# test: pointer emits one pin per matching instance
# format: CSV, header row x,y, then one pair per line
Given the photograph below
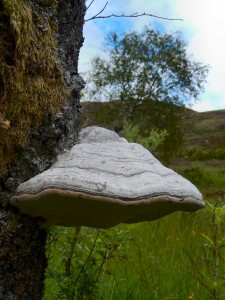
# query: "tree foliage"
x,y
147,65
152,141
149,75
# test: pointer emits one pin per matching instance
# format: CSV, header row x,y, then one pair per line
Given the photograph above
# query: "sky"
x,y
202,28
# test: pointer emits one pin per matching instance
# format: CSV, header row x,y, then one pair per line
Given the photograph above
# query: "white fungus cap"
x,y
104,181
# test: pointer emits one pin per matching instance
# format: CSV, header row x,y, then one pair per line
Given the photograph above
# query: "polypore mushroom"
x,y
104,181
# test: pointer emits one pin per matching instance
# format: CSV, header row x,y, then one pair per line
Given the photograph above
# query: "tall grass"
x,y
181,256
158,264
210,183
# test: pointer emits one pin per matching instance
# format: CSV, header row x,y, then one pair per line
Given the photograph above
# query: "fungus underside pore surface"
x,y
76,208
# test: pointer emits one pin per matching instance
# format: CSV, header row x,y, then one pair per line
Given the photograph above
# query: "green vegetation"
x,y
178,257
209,182
143,66
152,142
211,273
31,83
199,154
166,119
148,76
181,256
78,260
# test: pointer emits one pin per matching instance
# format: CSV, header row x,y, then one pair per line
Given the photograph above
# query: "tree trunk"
x,y
44,135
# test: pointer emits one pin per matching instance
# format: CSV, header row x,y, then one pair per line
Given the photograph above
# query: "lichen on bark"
x,y
39,117
32,82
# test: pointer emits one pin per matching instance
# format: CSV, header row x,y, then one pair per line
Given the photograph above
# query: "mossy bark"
x,y
22,241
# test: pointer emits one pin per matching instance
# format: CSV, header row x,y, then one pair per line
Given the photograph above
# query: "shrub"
x,y
198,154
152,142
205,180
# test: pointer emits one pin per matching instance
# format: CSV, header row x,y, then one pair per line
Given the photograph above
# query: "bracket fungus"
x,y
104,181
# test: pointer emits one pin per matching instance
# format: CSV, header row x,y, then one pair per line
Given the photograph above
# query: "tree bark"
x,y
22,241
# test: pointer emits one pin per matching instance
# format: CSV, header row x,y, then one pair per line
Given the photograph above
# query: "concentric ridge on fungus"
x,y
101,184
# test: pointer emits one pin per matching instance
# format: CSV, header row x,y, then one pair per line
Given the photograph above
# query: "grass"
x,y
164,259
181,256
157,264
203,154
171,258
211,184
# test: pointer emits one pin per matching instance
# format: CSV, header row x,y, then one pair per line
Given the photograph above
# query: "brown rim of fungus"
x,y
101,184
117,200
75,202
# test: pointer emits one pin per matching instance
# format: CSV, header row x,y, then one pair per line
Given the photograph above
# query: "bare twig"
x,y
134,15
97,15
72,249
87,259
90,4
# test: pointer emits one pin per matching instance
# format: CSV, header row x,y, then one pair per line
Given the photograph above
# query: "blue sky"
x,y
202,28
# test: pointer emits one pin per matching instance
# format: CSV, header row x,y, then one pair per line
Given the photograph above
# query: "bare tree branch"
x,y
90,4
97,15
134,15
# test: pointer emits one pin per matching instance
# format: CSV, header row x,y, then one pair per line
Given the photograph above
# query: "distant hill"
x,y
202,158
91,114
201,129
205,129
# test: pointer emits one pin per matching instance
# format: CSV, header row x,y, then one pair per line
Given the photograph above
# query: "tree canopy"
x,y
147,65
147,75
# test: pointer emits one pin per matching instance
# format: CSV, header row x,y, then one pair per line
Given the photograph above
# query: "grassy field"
x,y
181,256
176,257
169,259
158,264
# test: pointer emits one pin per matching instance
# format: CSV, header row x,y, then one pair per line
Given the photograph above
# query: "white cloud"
x,y
203,106
94,38
209,101
203,28
207,19
207,43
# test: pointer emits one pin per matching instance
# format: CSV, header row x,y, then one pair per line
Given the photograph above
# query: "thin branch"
x,y
134,15
97,15
87,259
72,249
90,5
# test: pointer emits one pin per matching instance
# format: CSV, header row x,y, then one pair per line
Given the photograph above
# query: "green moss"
x,y
31,82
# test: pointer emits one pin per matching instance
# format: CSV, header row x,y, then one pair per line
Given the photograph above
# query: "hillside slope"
x,y
202,158
204,138
206,129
